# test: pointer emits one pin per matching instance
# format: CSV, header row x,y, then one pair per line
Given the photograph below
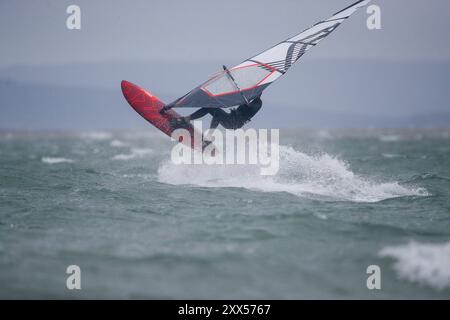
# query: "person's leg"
x,y
214,123
221,117
198,114
183,122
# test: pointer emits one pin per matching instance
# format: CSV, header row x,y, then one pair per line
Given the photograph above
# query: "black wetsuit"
x,y
233,120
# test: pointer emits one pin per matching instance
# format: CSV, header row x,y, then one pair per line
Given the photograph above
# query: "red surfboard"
x,y
149,107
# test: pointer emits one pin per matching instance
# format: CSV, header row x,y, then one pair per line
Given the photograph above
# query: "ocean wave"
x,y
389,138
390,155
428,177
51,160
139,175
117,144
96,135
314,176
135,153
423,263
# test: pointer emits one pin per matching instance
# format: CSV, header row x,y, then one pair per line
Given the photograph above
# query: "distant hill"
x,y
314,94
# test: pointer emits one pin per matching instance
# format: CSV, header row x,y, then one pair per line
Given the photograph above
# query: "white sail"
x,y
253,75
283,55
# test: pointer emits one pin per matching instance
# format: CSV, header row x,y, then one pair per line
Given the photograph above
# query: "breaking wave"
x,y
135,153
96,135
389,138
117,143
315,176
423,263
51,160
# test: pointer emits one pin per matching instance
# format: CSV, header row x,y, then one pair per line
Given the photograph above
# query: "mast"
x,y
235,84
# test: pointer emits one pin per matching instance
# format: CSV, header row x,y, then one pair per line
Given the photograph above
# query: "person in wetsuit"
x,y
235,119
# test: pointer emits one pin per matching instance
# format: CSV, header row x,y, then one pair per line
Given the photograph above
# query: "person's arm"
x,y
248,111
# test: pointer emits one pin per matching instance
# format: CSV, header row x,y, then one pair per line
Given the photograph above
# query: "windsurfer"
x,y
235,119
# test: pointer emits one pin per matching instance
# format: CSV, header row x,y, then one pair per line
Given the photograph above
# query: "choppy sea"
x,y
139,226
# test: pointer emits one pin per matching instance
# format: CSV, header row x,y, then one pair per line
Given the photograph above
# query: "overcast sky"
x,y
64,76
34,32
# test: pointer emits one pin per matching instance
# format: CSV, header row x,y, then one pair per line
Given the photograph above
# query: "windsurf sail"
x,y
235,84
247,80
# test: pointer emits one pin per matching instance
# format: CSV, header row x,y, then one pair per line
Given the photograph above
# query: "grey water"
x,y
139,226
